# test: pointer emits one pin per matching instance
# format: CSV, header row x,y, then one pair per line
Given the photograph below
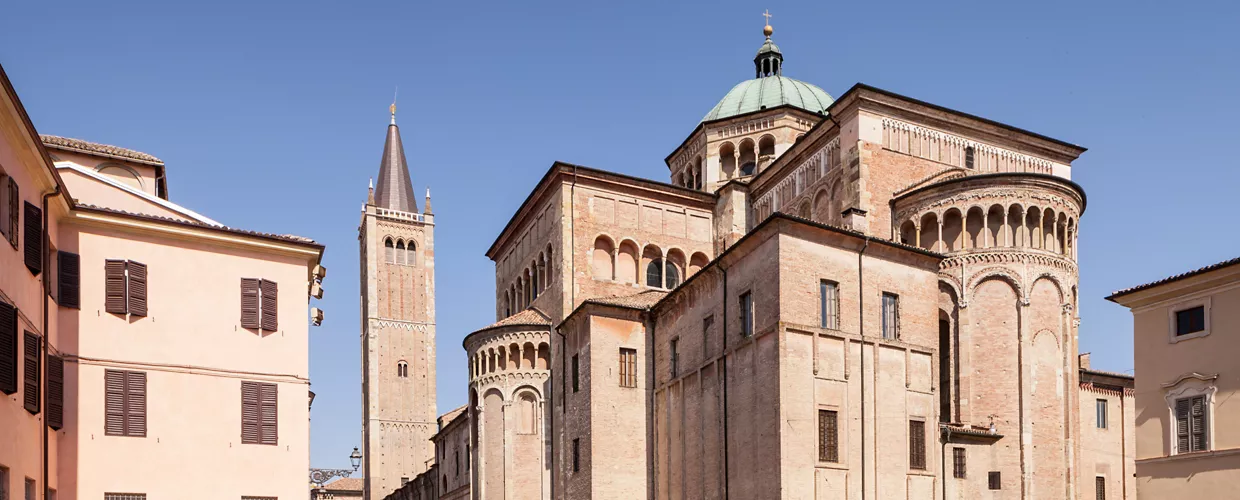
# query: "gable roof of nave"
x,y
874,97
563,170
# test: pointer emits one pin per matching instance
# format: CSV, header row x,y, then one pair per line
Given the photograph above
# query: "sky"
x,y
271,116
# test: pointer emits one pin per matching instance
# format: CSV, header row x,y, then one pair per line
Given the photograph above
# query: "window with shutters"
x,y
30,380
575,367
124,496
828,436
7,207
259,306
628,367
8,348
259,415
675,357
992,480
13,216
124,287
747,314
1100,488
1191,424
958,463
1100,408
829,304
891,316
917,444
68,279
124,403
55,392
33,249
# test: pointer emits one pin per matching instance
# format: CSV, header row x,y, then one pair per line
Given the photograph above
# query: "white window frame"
x,y
1192,386
1204,302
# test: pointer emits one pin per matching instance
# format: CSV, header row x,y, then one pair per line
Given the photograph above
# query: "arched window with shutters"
x,y
389,251
400,252
411,254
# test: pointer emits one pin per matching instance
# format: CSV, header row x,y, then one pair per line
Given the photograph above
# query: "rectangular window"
x,y
467,457
30,380
992,480
124,496
708,323
68,279
124,403
829,304
1190,425
1190,320
33,220
958,463
5,228
404,480
124,287
917,444
575,367
747,314
31,492
1100,488
259,413
576,455
456,462
4,483
891,316
259,306
628,367
675,357
11,215
1100,407
8,348
828,436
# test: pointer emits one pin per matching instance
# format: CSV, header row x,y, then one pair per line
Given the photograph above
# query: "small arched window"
x,y
400,252
673,275
402,369
411,254
654,273
389,253
968,157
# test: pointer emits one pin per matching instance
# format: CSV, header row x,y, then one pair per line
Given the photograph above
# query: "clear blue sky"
x,y
271,117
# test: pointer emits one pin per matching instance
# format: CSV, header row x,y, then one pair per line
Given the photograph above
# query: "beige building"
x,y
863,297
150,334
397,244
1187,441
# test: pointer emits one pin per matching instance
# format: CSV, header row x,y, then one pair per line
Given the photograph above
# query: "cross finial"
x,y
767,30
392,108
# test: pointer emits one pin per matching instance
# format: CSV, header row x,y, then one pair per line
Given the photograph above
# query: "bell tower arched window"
x,y
402,369
389,251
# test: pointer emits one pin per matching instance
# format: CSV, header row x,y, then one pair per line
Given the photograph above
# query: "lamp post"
x,y
322,476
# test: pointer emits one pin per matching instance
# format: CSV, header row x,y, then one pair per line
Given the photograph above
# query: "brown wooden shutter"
x,y
269,306
55,392
69,279
114,402
250,413
269,408
917,444
34,239
137,288
116,298
14,213
8,348
1182,410
135,404
31,386
249,303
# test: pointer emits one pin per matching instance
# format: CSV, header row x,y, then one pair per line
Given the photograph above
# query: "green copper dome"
x,y
768,92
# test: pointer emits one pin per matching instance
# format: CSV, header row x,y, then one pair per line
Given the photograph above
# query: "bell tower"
x,y
397,246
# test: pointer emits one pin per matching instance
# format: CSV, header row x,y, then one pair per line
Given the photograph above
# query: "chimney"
x,y
855,218
1083,360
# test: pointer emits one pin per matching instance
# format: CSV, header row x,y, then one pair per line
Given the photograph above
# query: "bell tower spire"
x,y
395,189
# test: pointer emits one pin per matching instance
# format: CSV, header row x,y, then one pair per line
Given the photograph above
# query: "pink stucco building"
x,y
154,350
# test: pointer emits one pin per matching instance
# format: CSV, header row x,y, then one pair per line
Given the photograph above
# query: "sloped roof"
x,y
1177,277
640,300
345,484
291,238
530,316
395,189
189,214
95,148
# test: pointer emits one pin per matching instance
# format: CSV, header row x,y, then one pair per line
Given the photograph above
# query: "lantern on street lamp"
x,y
322,476
355,458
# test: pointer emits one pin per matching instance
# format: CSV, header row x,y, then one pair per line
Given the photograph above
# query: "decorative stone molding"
x,y
746,127
1010,255
935,145
800,179
1003,273
1005,197
380,324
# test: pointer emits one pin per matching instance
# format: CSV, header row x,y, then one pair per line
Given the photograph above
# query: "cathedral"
x,y
868,296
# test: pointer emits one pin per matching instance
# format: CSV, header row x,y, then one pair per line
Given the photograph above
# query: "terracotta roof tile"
x,y
70,144
283,237
1177,277
345,484
528,316
640,300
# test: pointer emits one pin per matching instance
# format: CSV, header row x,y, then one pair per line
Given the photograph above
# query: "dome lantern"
x,y
769,61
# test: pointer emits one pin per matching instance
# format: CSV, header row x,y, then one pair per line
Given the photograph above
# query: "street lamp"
x,y
322,476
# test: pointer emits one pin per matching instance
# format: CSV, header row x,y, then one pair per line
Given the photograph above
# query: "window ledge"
x,y
1190,456
831,465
